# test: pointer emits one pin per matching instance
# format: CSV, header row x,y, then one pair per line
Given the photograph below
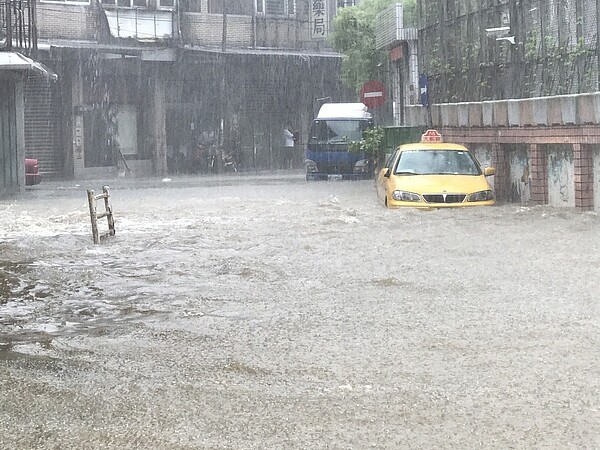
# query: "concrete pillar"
x,y
501,162
158,124
20,129
78,140
539,174
584,176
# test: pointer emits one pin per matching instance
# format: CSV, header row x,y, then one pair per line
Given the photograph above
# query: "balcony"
x,y
17,26
390,30
142,24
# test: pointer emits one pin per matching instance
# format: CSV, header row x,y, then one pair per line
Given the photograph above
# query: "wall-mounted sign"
x,y
424,89
372,94
319,27
397,53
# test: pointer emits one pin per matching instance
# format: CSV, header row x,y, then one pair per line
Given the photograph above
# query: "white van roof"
x,y
344,111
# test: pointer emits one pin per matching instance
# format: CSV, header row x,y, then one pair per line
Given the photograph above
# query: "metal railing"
x,y
18,29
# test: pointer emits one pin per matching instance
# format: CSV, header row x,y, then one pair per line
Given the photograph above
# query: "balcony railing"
x,y
389,28
17,25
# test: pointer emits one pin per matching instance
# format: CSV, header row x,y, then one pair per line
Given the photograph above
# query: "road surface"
x,y
264,312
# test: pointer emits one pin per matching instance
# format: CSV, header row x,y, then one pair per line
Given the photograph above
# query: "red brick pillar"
x,y
539,174
501,179
584,179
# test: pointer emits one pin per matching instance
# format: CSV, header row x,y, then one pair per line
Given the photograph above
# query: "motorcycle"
x,y
229,163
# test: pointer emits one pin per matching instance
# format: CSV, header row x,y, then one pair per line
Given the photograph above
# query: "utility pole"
x,y
223,96
224,39
598,38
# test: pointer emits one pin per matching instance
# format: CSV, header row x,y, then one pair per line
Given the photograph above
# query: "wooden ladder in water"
x,y
94,216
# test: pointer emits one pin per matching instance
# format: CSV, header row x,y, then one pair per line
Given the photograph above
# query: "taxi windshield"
x,y
436,162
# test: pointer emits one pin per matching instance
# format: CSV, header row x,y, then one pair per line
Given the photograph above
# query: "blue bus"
x,y
327,153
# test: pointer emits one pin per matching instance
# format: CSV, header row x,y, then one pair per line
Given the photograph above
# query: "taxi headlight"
x,y
403,196
311,166
481,196
361,166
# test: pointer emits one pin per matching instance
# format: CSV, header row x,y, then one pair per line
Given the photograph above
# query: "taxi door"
x,y
381,180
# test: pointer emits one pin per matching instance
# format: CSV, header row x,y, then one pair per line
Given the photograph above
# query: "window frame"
x,y
162,7
262,9
131,5
67,2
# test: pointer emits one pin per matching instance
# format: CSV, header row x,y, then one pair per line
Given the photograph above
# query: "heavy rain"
x,y
260,290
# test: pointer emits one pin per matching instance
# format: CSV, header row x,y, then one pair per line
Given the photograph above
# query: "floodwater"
x,y
264,312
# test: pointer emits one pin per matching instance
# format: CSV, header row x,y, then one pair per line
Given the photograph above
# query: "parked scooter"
x,y
229,163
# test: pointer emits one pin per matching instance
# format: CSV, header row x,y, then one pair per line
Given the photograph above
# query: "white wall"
x,y
561,185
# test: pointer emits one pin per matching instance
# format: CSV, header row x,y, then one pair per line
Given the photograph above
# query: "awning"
x,y
139,50
16,61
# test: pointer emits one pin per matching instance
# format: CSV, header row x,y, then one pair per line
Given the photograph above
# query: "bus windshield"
x,y
325,131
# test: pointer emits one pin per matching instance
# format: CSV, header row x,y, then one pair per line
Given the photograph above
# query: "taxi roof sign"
x,y
431,136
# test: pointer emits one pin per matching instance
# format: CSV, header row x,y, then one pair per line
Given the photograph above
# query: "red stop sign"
x,y
372,94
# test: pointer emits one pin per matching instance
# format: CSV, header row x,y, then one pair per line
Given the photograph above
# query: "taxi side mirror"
x,y
387,172
489,171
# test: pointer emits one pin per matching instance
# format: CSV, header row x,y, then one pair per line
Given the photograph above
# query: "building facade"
x,y
150,87
18,45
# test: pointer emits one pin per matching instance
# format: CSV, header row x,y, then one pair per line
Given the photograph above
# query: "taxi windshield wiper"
x,y
405,172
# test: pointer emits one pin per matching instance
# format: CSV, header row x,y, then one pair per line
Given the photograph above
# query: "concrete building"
x,y
17,43
146,86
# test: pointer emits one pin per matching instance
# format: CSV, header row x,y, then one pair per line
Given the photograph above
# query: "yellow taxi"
x,y
434,174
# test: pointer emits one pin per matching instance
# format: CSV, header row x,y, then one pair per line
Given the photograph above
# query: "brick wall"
x,y
271,32
57,21
584,176
500,159
276,32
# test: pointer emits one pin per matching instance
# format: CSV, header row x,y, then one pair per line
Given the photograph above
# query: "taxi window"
x,y
437,162
391,159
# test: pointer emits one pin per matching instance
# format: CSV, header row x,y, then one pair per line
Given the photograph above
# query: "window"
x,y
240,7
276,7
126,3
437,162
345,3
323,132
68,2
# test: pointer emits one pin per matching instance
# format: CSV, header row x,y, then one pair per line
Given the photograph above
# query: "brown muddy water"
x,y
264,312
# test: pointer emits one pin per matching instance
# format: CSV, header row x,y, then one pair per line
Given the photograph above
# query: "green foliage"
x,y
372,143
579,51
354,37
531,45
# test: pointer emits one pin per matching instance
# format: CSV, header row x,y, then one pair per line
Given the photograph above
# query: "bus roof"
x,y
344,111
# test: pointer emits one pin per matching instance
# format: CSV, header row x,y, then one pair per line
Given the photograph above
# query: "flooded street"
x,y
265,312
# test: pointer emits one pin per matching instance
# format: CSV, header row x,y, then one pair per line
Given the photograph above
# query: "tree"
x,y
354,37
372,144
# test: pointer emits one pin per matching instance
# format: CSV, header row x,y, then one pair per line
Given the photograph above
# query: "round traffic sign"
x,y
372,94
